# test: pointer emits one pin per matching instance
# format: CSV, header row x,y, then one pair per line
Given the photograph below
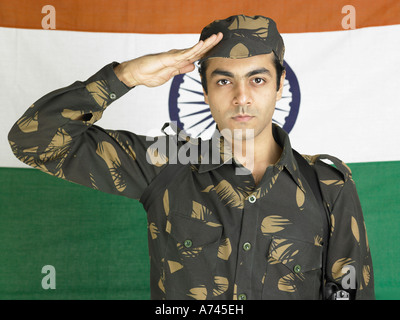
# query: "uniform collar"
x,y
216,153
287,159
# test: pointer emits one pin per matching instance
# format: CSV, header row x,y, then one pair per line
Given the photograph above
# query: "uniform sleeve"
x,y
349,262
57,135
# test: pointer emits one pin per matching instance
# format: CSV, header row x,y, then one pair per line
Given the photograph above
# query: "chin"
x,y
239,133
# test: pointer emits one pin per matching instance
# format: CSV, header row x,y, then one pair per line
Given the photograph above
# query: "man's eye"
x,y
223,82
258,80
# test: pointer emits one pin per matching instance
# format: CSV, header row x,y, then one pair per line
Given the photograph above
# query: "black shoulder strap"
x,y
309,174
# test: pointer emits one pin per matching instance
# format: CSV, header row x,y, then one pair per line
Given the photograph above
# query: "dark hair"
x,y
278,67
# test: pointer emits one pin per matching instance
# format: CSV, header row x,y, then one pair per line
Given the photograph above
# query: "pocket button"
x,y
188,243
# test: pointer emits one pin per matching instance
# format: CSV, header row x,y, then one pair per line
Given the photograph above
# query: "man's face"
x,y
242,93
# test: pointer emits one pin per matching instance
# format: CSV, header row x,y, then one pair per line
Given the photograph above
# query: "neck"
x,y
257,153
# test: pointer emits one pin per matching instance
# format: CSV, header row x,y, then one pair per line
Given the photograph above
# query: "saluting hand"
x,y
155,69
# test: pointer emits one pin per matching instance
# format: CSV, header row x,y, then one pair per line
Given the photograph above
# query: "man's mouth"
x,y
242,118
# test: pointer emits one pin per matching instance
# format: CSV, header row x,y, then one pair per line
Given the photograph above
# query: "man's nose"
x,y
242,95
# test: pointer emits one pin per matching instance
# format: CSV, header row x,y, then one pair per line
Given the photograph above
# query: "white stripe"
x,y
349,82
350,85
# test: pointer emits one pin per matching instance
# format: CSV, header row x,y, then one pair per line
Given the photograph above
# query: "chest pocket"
x,y
191,255
193,234
293,270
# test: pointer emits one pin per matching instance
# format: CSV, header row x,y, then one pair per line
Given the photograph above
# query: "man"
x,y
242,227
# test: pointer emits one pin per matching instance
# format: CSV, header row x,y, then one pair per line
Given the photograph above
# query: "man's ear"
x,y
205,97
204,92
280,90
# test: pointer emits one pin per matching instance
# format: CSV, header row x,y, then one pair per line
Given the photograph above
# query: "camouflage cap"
x,y
244,37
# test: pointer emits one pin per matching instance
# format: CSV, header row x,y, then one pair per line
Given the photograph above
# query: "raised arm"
x,y
57,133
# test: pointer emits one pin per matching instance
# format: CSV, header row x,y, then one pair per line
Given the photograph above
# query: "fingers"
x,y
199,49
187,68
212,41
209,44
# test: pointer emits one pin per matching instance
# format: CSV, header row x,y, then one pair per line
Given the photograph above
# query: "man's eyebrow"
x,y
259,71
225,73
219,72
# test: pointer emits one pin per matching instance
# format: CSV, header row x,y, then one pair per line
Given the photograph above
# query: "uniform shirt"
x,y
212,233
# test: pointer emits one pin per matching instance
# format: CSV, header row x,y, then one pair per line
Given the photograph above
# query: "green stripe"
x,y
97,242
378,186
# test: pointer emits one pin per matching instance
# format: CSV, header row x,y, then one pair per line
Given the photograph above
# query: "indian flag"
x,y
59,240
